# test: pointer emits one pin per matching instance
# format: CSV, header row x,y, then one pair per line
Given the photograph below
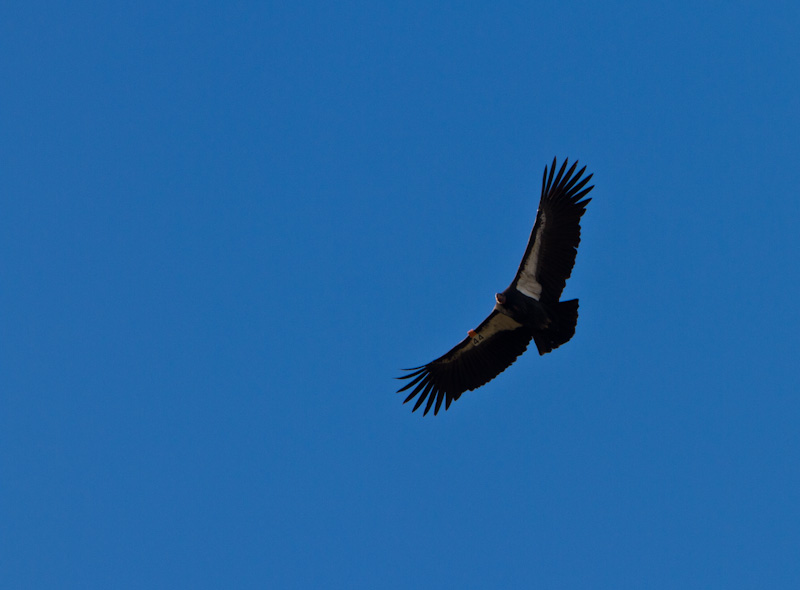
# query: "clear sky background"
x,y
225,228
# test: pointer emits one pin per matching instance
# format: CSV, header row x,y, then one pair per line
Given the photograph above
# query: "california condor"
x,y
528,309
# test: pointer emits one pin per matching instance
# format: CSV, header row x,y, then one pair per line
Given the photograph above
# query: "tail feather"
x,y
565,318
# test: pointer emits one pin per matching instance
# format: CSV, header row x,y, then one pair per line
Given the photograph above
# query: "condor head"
x,y
500,298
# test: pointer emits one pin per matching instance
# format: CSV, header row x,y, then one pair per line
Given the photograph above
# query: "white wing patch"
x,y
527,283
499,323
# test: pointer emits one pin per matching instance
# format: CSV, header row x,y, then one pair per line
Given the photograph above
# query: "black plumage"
x,y
529,309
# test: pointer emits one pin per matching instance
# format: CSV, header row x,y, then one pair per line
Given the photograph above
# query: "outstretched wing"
x,y
553,244
480,357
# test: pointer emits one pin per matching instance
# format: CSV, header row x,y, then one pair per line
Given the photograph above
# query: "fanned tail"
x,y
565,318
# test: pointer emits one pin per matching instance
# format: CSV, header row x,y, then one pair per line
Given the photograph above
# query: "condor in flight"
x,y
528,309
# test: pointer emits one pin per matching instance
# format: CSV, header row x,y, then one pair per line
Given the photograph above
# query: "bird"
x,y
529,309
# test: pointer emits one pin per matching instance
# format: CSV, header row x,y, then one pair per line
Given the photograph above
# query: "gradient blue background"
x,y
225,228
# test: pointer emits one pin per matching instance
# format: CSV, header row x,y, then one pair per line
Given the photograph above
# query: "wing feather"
x,y
553,245
497,343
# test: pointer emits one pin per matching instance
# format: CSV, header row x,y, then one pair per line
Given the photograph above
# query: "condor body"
x,y
529,309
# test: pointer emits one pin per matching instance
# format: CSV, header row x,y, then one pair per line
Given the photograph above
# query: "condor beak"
x,y
500,298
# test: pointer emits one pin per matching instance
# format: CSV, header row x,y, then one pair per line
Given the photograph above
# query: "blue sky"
x,y
226,227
